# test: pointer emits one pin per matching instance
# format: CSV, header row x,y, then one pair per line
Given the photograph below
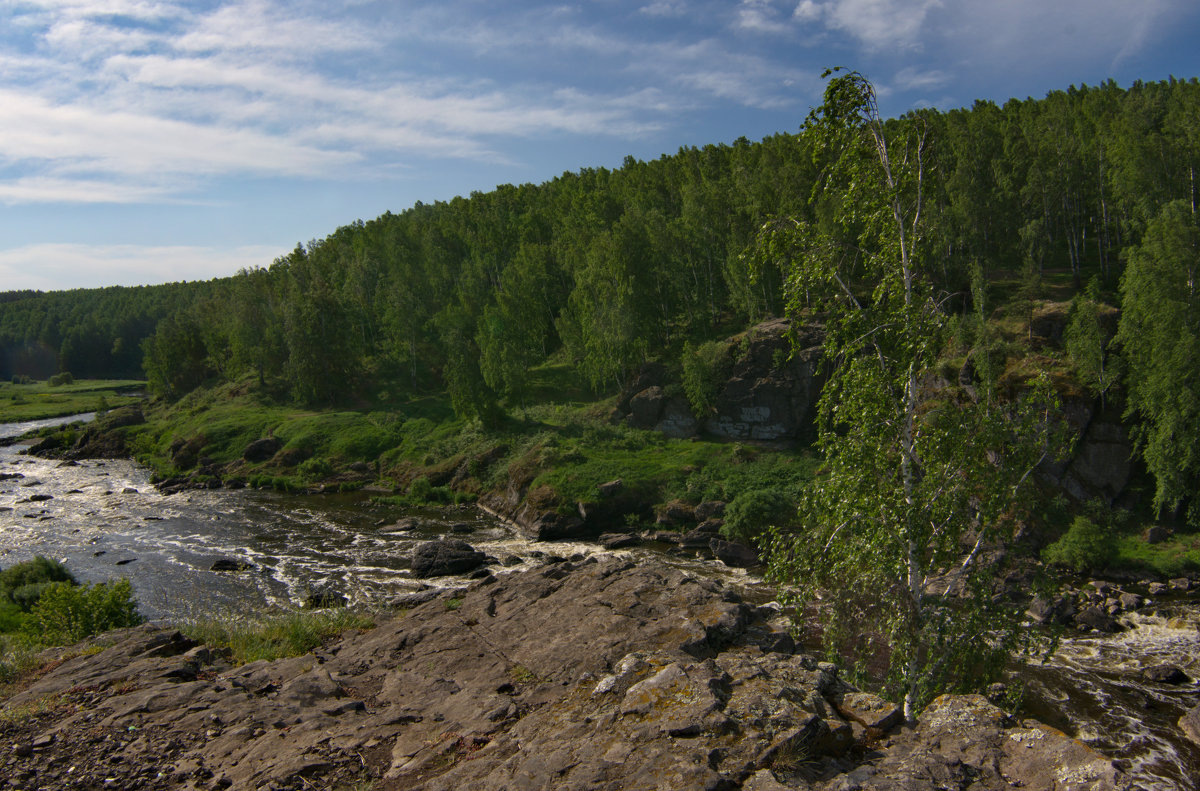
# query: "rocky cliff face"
x,y
600,675
768,394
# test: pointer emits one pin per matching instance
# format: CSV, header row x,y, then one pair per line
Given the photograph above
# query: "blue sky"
x,y
145,141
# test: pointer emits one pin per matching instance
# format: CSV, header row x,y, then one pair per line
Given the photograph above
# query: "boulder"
x,y
1056,610
611,488
710,509
1165,674
1096,619
1131,601
261,449
870,710
734,554
618,540
445,557
700,536
1156,534
646,408
676,513
230,564
323,598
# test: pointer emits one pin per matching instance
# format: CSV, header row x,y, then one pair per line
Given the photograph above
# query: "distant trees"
x,y
605,268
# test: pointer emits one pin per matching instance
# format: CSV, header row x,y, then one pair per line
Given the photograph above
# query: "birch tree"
x,y
900,535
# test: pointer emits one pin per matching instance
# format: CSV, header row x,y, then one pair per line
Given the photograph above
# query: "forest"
x,y
1091,187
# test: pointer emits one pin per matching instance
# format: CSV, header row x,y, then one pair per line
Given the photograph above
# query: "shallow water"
x,y
1093,689
104,519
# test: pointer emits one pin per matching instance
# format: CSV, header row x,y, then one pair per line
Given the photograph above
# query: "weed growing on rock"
x,y
284,634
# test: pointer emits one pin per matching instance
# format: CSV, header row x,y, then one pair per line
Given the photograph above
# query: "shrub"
x,y
316,467
751,513
63,378
705,368
23,583
1086,546
67,613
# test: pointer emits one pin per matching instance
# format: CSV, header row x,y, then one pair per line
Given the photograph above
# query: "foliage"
x,y
1160,335
276,635
752,513
1086,343
1086,546
23,583
67,613
60,379
705,368
914,485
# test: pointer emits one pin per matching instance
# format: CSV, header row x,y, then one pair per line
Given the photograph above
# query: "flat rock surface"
x,y
599,675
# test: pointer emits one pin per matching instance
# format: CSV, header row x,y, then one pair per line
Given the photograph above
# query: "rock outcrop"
x,y
589,676
767,395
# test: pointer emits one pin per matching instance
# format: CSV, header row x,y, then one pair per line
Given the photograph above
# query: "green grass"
x,y
275,635
41,401
1171,558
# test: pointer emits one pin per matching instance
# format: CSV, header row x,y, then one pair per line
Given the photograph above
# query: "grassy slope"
x,y
562,448
39,401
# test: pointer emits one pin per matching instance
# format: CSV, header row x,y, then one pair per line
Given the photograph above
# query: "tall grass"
x,y
275,635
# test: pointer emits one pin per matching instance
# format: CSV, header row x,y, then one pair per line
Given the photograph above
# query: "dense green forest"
x,y
604,269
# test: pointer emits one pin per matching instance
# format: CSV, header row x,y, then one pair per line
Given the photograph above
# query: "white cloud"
x,y
913,79
49,267
83,138
49,189
665,8
761,16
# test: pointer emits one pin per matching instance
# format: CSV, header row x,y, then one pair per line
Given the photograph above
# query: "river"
x,y
104,519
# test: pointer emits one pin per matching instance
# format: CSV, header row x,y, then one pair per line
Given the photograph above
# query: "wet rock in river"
x,y
1165,674
323,598
734,554
1131,601
618,540
445,557
230,564
1047,610
1096,619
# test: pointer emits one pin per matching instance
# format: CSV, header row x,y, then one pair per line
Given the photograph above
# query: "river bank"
x,y
294,544
641,676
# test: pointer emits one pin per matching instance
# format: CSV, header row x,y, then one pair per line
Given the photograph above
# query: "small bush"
x,y
24,583
64,378
1085,547
68,613
751,513
316,467
705,368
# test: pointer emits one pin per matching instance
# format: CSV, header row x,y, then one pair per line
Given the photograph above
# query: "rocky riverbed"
x,y
595,675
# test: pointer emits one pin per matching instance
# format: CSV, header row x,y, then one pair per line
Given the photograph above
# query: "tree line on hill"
x,y
606,268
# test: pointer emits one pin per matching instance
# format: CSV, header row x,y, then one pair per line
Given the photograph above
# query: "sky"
x,y
147,141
